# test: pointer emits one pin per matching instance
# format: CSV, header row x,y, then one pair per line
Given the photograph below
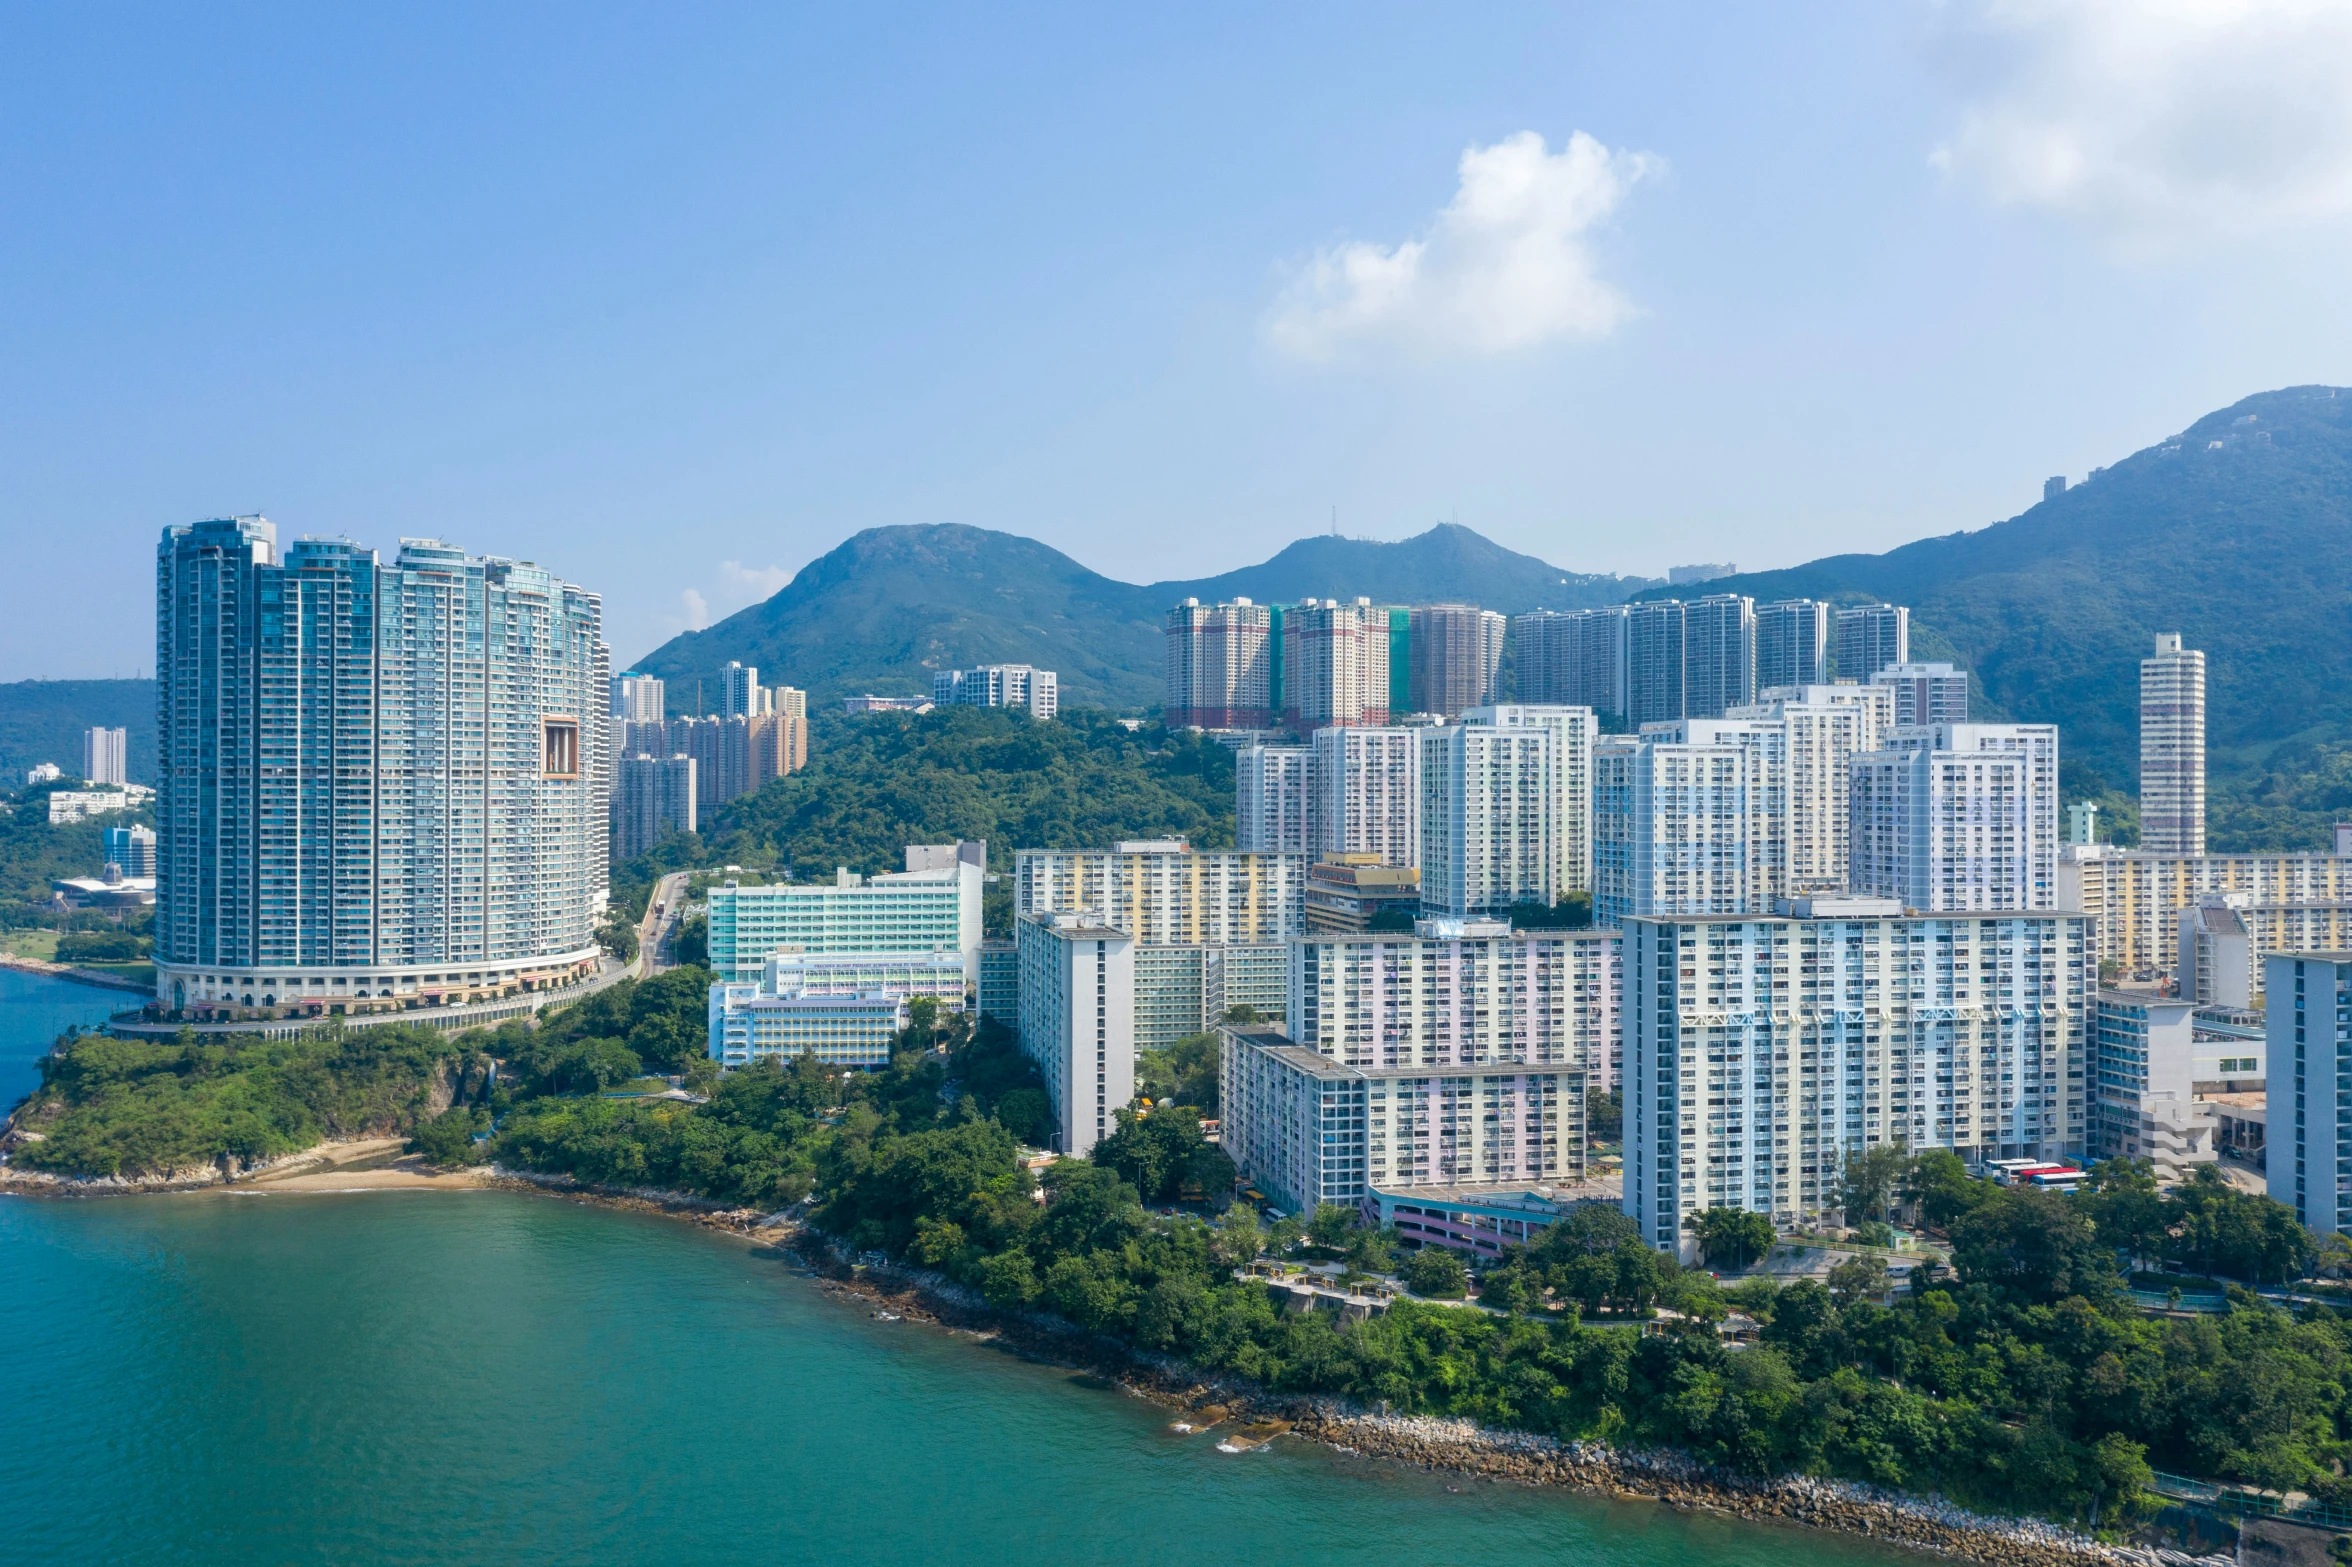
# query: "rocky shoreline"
x,y
1920,1523
1250,1415
79,976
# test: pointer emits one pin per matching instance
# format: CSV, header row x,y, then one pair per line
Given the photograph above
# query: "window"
x,y
559,750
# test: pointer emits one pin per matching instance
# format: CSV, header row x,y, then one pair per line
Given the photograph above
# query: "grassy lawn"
x,y
41,944
641,1085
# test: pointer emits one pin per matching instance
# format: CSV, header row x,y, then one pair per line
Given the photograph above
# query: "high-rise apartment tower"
x,y
369,772
1792,643
1718,655
1869,638
1220,665
2172,749
1456,651
106,756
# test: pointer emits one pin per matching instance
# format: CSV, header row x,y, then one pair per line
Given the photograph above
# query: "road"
x,y
656,929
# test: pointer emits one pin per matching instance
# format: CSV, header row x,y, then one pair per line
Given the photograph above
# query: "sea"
x,y
493,1377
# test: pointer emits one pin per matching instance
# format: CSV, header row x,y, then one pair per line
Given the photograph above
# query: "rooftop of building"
x,y
1893,911
1364,870
2142,996
1086,925
2109,851
1503,1196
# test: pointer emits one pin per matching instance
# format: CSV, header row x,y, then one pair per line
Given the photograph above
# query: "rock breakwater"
x,y
1922,1522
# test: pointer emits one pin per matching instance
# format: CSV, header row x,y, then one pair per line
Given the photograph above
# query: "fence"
x,y
2243,1499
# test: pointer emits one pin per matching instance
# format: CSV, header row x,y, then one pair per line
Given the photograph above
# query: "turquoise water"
x,y
34,1010
487,1377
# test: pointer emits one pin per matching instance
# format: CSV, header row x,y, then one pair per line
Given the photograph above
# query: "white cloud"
x,y
755,582
2153,120
1507,264
737,586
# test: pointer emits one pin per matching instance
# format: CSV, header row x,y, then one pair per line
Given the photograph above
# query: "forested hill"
x,y
2237,533
891,606
877,783
43,720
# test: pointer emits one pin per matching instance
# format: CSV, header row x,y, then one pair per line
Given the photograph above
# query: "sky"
x,y
674,299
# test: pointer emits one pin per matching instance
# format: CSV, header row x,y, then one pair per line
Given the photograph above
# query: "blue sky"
x,y
675,299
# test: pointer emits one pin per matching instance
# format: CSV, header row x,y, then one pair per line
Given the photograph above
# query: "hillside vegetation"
x,y
877,783
2237,533
43,720
134,1108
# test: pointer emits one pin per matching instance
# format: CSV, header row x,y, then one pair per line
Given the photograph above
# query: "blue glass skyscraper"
x,y
379,784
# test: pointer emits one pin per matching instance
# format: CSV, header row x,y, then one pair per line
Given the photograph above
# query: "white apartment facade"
x,y
1000,685
1181,991
1311,1130
1277,799
106,756
1869,638
1823,728
1461,993
1792,643
749,1023
1573,730
938,975
844,1008
1925,693
1951,817
1689,818
1077,1008
2172,749
2144,1085
1366,784
1489,819
1762,1051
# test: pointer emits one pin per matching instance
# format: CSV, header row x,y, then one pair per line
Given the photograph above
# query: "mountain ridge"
x,y
888,607
2236,533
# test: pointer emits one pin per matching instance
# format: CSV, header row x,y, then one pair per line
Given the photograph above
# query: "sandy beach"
x,y
366,1165
362,1165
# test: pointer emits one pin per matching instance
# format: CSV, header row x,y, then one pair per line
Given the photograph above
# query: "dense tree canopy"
x,y
134,1107
877,783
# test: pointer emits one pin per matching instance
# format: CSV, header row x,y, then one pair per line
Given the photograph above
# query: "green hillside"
x,y
888,608
875,784
1449,562
2237,533
43,720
